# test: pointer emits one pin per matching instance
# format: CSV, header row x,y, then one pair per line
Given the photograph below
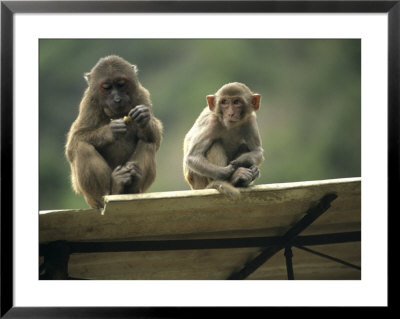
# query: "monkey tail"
x,y
225,188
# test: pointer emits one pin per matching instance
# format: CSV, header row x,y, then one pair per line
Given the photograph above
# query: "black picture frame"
x,y
9,8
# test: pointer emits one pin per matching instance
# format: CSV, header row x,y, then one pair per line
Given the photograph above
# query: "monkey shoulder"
x,y
252,118
206,122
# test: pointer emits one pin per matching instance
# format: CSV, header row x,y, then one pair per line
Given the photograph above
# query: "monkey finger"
x,y
142,119
138,115
134,110
136,174
246,177
141,116
255,171
136,169
231,168
126,179
137,110
118,123
118,128
131,165
118,168
235,164
133,169
120,173
246,174
126,169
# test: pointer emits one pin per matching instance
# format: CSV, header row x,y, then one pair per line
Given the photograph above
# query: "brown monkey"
x,y
223,148
107,153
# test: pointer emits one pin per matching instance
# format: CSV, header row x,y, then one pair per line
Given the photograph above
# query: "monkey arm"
x,y
254,156
152,132
149,128
97,137
197,161
248,159
144,158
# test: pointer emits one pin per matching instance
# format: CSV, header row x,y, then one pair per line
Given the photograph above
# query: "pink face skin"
x,y
232,108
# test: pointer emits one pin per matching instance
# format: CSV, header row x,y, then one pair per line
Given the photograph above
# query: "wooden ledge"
x,y
265,210
166,222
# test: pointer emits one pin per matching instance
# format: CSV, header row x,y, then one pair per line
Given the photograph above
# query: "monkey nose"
x,y
117,99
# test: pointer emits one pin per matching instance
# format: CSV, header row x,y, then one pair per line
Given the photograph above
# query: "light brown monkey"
x,y
107,154
223,148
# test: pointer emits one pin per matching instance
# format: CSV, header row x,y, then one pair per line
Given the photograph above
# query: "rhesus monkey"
x,y
223,148
111,145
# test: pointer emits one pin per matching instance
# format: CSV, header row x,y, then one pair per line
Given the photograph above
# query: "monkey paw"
x,y
118,127
123,175
134,169
244,176
226,172
140,114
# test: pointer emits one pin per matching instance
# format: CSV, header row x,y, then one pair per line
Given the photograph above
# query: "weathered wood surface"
x,y
263,210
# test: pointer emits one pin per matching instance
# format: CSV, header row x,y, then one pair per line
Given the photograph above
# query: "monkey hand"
x,y
226,172
140,114
244,176
118,127
240,163
133,169
123,176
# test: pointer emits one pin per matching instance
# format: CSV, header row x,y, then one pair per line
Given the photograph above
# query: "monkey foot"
x,y
123,175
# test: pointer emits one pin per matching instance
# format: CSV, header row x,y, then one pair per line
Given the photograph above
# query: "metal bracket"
x,y
311,215
289,264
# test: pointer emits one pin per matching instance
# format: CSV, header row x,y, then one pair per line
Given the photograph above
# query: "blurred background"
x,y
309,119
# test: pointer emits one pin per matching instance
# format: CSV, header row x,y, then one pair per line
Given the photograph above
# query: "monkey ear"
x,y
255,101
135,69
87,76
211,102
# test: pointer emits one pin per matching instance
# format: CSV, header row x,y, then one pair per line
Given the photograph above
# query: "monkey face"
x,y
232,110
233,103
115,91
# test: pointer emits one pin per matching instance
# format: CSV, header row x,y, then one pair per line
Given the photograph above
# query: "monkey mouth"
x,y
119,110
231,122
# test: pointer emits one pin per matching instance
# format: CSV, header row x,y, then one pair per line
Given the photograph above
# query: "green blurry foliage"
x,y
309,120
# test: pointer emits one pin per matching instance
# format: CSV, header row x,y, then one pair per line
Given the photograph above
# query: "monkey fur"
x,y
108,155
223,148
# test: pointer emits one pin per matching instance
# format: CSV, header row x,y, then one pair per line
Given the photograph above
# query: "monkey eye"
x,y
121,83
106,86
223,101
237,101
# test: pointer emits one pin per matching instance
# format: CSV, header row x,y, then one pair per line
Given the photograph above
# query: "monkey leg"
x,y
196,181
91,175
144,157
216,155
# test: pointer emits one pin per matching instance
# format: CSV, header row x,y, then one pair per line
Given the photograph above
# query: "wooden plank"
x,y
215,264
263,210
